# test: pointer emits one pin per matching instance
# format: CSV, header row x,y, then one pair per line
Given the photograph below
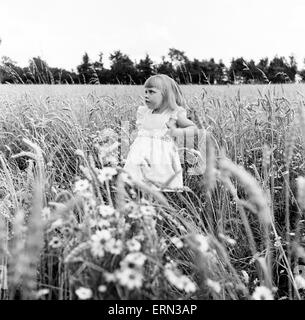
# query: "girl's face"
x,y
153,98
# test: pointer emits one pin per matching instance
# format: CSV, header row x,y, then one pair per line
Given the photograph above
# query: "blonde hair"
x,y
171,92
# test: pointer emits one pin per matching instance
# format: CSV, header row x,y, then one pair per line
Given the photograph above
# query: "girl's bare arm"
x,y
183,126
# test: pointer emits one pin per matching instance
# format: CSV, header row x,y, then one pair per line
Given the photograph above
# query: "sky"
x,y
60,31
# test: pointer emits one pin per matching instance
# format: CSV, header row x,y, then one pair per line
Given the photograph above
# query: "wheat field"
x,y
73,225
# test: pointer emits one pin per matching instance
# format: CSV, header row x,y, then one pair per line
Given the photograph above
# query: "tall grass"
x,y
75,226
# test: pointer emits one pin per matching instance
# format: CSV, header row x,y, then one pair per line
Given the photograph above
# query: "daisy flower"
x,y
135,259
181,282
163,244
177,242
109,277
81,186
67,231
130,278
135,214
83,293
102,288
245,275
148,210
187,284
133,245
106,174
92,223
86,172
300,282
227,239
111,159
214,285
57,223
114,246
106,211
41,292
98,241
170,275
55,243
202,241
133,210
103,223
262,293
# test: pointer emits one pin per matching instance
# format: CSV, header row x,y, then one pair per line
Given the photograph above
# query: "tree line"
x,y
176,64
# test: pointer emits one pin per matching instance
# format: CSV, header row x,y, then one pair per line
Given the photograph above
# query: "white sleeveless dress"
x,y
153,157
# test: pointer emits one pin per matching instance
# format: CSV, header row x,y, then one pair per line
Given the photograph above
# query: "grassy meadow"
x,y
73,225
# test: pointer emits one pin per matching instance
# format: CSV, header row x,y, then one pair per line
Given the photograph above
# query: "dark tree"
x,y
145,69
39,72
86,71
177,56
166,67
122,69
221,73
195,71
10,72
280,71
179,62
62,76
293,68
262,68
236,70
177,65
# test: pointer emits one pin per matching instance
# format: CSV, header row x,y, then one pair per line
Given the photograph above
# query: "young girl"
x,y
153,157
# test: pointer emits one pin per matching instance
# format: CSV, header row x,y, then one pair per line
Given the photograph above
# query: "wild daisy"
x,y
163,244
177,242
181,282
262,293
102,288
92,223
187,284
245,276
114,246
170,275
67,231
81,186
83,293
98,242
133,259
227,239
301,191
213,285
109,277
106,174
148,210
111,159
300,282
133,210
103,223
56,224
202,241
42,292
55,243
106,211
133,245
86,172
130,278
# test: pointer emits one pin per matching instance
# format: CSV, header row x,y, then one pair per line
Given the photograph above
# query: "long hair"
x,y
171,92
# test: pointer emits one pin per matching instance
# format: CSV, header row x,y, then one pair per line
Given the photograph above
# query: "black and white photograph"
x,y
152,151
